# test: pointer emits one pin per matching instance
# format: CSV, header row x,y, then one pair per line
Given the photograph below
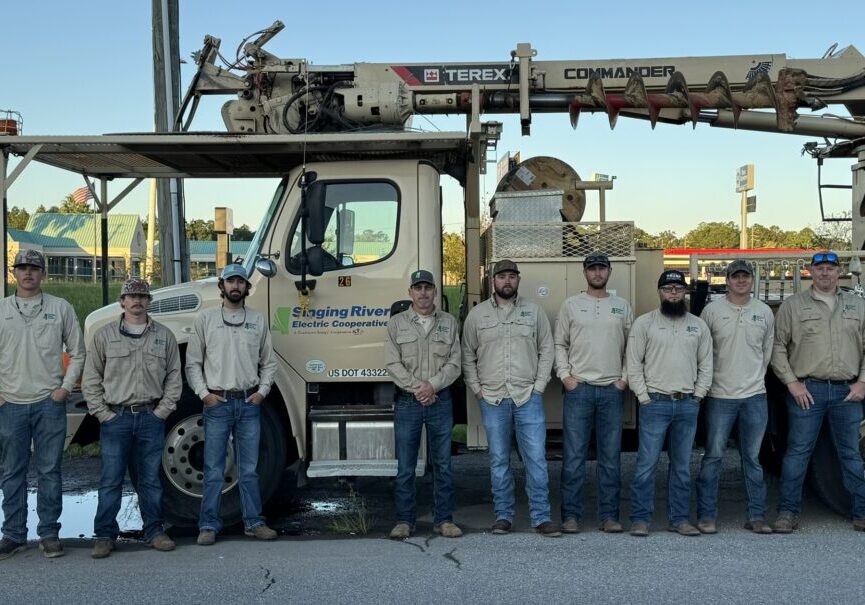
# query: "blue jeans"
x,y
242,420
584,407
527,420
752,415
43,423
680,417
135,441
409,418
844,420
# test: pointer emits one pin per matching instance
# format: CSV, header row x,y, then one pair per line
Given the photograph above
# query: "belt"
x,y
134,408
403,392
671,396
826,381
234,393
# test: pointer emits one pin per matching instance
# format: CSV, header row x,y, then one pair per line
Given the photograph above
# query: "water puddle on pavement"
x,y
78,512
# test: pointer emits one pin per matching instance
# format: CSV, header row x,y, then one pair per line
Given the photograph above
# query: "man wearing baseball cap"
x,y
230,365
34,329
590,336
132,383
422,355
817,353
670,370
507,358
742,334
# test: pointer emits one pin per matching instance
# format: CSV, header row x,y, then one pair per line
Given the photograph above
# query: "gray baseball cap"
x,y
422,276
31,257
233,270
739,265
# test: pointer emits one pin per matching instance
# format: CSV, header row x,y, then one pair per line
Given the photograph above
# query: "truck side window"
x,y
362,222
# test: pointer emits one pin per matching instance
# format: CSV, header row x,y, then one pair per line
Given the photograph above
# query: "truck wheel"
x,y
183,464
824,473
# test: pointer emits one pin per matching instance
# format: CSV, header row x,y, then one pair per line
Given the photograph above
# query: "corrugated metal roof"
x,y
22,237
53,229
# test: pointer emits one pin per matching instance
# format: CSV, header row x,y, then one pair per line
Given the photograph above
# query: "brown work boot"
x,y
448,529
206,537
786,523
401,531
707,526
51,548
859,524
260,532
501,527
9,548
571,525
162,542
611,526
639,529
549,529
102,548
684,529
758,526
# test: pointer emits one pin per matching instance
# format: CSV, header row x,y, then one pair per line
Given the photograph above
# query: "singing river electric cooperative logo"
x,y
329,320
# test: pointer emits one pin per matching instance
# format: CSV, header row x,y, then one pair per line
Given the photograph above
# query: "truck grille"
x,y
175,304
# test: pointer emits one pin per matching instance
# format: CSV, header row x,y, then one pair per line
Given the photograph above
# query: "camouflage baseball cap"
x,y
135,286
31,257
505,265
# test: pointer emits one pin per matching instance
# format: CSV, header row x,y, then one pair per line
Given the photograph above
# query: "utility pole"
x,y
744,184
166,79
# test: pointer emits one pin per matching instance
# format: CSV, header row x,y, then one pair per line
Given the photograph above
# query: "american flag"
x,y
81,195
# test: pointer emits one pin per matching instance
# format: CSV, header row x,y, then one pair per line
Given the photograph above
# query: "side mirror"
x,y
266,267
315,205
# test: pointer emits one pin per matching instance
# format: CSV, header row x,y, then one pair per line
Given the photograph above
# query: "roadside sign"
x,y
751,204
745,178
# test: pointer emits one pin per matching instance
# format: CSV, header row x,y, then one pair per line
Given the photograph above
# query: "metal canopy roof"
x,y
227,155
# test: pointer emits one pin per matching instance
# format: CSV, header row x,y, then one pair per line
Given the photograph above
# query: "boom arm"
x,y
290,96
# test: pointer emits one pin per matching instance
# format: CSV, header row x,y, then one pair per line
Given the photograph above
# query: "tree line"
x,y
832,235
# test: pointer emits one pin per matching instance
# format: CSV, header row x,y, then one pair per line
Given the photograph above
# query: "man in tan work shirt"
x,y
230,365
422,355
742,333
590,336
131,383
34,328
669,359
507,360
819,334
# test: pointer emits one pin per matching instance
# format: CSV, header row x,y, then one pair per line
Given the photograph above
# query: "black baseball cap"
x,y
596,258
672,277
422,276
505,265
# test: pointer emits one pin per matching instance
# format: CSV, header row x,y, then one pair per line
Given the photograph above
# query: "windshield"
x,y
255,244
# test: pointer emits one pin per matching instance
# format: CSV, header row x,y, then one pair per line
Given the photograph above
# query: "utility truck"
x,y
338,138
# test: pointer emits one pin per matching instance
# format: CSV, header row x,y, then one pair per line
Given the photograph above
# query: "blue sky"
x,y
86,68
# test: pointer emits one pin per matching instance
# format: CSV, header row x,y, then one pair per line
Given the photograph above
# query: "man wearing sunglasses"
x,y
742,334
669,360
422,355
230,365
131,383
819,335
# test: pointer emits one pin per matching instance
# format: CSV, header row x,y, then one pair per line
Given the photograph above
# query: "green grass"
x,y
452,294
356,522
460,434
85,297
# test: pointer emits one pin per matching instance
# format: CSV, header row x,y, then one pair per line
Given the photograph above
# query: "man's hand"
x,y
255,399
620,384
212,399
425,393
570,383
59,394
800,394
857,392
110,418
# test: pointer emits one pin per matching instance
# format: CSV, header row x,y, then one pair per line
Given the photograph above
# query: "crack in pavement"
x,y
418,546
270,581
450,555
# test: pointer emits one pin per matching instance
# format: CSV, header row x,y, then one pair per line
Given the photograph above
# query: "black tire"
x,y
824,473
182,470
